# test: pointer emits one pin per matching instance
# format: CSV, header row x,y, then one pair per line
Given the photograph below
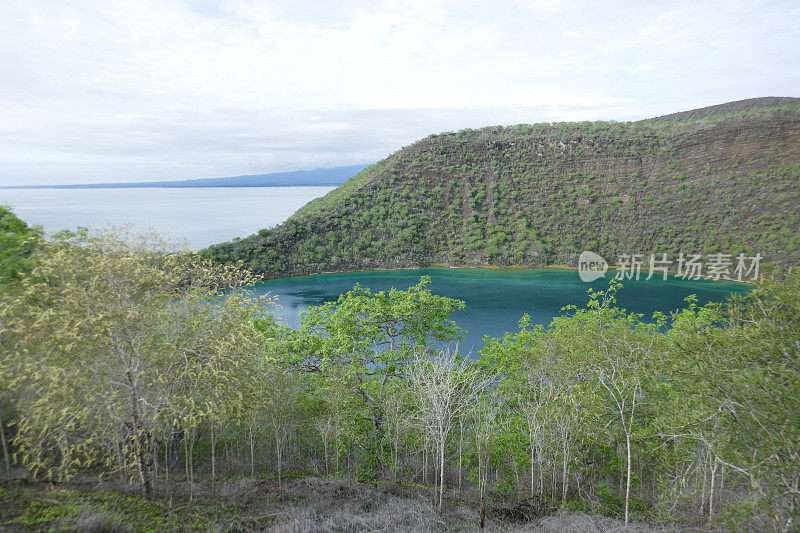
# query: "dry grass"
x,y
300,505
341,505
96,522
565,522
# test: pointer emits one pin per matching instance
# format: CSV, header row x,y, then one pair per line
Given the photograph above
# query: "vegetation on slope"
x,y
730,107
533,195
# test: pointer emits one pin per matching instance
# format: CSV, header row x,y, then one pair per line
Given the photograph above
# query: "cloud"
x,y
151,89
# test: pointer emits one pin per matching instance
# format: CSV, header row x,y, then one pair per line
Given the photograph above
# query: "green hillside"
x,y
724,179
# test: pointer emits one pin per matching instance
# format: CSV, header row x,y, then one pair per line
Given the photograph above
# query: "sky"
x,y
139,90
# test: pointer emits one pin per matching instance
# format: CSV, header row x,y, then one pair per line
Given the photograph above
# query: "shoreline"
x,y
671,273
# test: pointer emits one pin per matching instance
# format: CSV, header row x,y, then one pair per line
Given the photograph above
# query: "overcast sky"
x,y
95,91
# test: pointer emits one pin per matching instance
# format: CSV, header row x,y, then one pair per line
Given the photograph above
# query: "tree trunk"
x,y
186,462
533,479
425,463
396,459
278,450
540,466
213,459
564,476
142,464
140,442
337,451
628,480
460,453
191,466
5,447
227,453
252,453
441,473
714,467
703,491
482,488
144,473
325,452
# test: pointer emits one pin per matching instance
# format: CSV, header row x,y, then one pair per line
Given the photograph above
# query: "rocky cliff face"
x,y
721,181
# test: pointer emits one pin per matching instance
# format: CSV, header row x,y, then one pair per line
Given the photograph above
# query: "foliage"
x,y
17,242
372,337
750,406
112,342
375,333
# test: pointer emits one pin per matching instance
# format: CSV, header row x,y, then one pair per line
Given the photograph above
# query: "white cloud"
x,y
149,89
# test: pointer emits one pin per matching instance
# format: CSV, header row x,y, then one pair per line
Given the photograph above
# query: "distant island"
x,y
320,177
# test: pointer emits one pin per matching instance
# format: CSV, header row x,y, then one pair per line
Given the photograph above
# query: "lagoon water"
x,y
496,299
203,216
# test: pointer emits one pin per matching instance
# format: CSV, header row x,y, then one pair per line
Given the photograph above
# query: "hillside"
x,y
726,180
729,107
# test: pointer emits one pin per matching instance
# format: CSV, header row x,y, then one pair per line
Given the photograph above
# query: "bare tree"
x,y
532,402
445,387
622,359
281,391
395,406
485,414
335,423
